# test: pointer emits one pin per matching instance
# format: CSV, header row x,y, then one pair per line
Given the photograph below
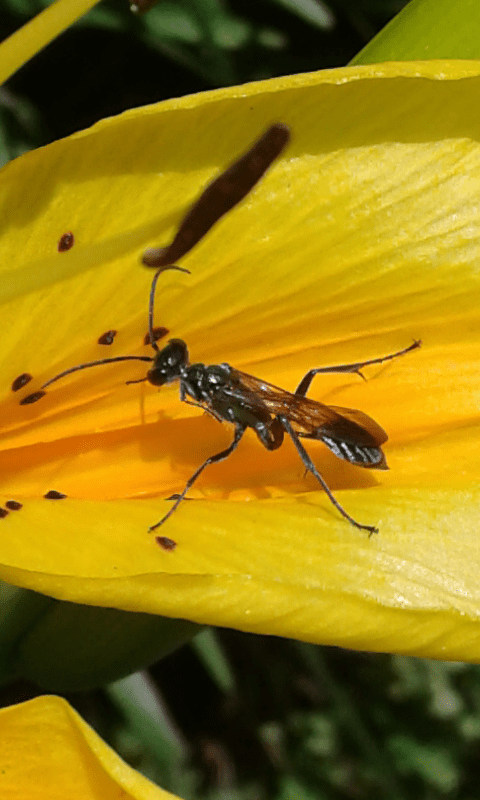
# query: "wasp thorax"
x,y
216,377
168,363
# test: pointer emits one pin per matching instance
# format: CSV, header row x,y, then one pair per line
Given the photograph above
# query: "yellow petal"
x,y
38,32
363,237
49,751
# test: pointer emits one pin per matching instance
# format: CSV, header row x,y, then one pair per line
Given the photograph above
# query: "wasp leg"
x,y
310,466
304,384
204,408
239,431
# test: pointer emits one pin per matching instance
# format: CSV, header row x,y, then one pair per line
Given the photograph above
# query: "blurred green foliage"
x,y
305,722
247,717
113,59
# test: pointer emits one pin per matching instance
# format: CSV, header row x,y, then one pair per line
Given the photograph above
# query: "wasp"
x,y
230,395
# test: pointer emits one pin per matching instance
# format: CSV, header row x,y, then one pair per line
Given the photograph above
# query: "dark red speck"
x,y
54,495
3,513
21,381
158,333
13,505
107,337
65,242
32,398
165,543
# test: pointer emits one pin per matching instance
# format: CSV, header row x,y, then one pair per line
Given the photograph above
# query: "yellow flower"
x,y
363,237
49,751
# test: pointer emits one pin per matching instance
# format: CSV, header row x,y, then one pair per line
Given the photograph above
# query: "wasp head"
x,y
169,363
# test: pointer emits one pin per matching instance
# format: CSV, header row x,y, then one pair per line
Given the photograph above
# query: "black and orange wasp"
x,y
230,395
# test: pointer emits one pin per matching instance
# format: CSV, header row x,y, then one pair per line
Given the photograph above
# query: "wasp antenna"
x,y
94,364
221,195
151,302
32,398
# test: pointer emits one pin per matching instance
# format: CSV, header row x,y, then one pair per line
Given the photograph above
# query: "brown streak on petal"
x,y
221,195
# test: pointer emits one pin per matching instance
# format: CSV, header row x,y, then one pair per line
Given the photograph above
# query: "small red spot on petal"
x,y
13,505
21,381
165,543
107,337
65,242
32,398
158,333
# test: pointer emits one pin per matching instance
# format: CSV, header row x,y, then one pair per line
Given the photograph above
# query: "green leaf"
x,y
71,647
210,652
138,701
426,30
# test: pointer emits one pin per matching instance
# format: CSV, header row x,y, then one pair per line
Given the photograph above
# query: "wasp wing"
x,y
350,434
372,429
